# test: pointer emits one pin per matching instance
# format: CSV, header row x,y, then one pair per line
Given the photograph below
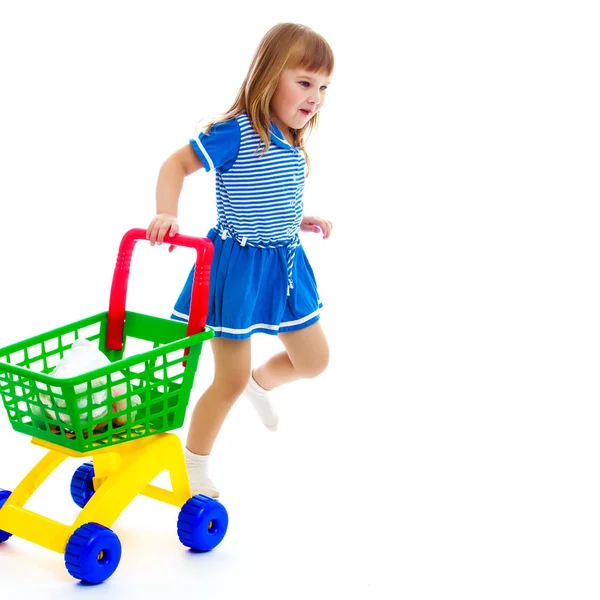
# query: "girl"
x,y
260,279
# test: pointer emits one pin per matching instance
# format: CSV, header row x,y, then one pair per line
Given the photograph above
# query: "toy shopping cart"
x,y
125,435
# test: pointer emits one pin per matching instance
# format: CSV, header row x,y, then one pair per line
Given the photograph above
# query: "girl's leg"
x,y
232,371
306,355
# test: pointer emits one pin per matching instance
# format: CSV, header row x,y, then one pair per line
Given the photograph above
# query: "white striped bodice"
x,y
260,197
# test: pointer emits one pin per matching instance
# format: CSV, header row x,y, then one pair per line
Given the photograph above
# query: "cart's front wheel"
x,y
4,494
93,553
202,523
82,484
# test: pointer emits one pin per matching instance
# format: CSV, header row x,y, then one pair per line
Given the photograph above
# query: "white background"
x,y
451,450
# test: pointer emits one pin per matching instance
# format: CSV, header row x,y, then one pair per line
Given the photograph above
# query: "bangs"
x,y
311,53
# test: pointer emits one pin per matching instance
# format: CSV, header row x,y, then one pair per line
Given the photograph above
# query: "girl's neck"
x,y
289,135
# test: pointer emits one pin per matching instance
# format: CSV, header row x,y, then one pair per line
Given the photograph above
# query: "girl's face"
x,y
298,97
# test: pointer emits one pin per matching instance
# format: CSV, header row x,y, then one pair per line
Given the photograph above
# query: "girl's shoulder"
x,y
245,124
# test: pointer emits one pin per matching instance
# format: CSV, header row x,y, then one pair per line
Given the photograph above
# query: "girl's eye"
x,y
307,84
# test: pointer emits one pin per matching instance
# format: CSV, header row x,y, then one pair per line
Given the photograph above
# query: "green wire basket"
x,y
143,390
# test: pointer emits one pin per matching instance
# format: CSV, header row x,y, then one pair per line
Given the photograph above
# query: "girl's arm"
x,y
173,171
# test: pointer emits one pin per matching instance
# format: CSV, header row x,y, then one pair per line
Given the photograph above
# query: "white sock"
x,y
259,398
197,468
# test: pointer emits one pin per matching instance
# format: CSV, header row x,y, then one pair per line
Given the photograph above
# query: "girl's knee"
x,y
230,387
313,365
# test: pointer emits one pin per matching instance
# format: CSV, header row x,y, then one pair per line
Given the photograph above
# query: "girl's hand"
x,y
161,226
316,225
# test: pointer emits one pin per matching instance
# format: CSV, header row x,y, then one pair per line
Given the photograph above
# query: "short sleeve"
x,y
218,149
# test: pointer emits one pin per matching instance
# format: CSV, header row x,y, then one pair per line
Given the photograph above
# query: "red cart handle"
x,y
118,292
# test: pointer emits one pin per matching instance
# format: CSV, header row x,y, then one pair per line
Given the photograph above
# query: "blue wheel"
x,y
202,523
4,494
82,484
93,553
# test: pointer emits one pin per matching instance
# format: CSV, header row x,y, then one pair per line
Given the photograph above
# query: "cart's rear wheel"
x,y
202,523
82,484
93,553
4,494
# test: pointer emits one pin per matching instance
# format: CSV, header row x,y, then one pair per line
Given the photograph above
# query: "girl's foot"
x,y
259,398
197,467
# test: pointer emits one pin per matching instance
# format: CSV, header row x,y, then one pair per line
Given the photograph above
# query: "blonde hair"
x,y
286,45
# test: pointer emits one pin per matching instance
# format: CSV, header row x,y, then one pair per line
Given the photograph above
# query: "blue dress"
x,y
260,278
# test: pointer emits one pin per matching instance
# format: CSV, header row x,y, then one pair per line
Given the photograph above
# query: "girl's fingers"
x,y
164,229
159,228
152,233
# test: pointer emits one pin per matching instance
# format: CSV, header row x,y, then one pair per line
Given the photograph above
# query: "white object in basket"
x,y
82,357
